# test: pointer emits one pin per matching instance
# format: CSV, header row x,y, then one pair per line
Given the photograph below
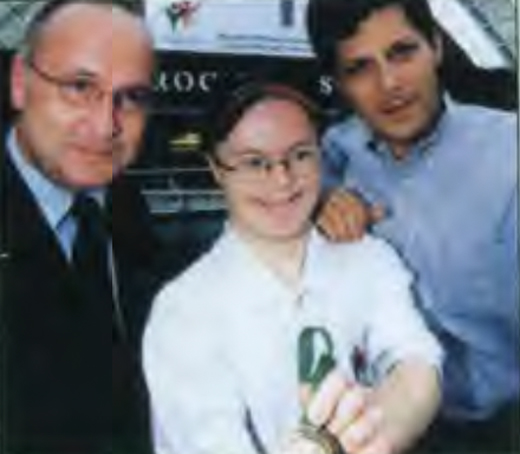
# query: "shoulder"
x,y
366,258
350,129
9,178
21,223
484,121
177,314
4,183
190,294
489,138
192,284
477,110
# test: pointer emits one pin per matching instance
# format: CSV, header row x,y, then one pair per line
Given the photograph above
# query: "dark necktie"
x,y
90,253
114,368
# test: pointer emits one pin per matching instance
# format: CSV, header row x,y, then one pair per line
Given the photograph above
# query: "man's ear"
x,y
438,48
18,82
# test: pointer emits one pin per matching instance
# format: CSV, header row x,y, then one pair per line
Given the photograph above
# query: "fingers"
x,y
332,221
351,404
348,412
323,403
344,216
378,445
363,432
359,429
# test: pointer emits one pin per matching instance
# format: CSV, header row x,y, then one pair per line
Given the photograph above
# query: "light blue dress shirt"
x,y
54,201
452,213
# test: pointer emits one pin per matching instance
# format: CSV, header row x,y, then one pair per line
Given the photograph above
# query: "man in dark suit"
x,y
80,86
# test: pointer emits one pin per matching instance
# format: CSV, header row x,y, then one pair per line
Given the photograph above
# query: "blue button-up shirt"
x,y
452,213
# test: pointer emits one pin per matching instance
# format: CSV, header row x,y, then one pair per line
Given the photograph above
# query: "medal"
x,y
308,439
315,361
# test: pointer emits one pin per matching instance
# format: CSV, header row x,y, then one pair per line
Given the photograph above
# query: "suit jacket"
x,y
70,382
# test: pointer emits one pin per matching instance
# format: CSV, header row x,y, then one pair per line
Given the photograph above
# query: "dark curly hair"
x,y
332,21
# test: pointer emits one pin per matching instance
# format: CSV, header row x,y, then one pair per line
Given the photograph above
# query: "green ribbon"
x,y
315,360
314,363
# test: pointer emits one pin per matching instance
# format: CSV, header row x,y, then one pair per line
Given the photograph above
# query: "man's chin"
x,y
90,181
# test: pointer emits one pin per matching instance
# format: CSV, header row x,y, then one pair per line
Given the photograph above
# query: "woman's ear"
x,y
217,173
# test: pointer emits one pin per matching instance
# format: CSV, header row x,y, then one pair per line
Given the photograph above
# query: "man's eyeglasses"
x,y
256,167
84,92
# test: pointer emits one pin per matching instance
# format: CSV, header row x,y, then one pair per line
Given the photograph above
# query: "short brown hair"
x,y
227,114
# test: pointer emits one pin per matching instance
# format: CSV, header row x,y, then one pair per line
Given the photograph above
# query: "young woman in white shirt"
x,y
221,350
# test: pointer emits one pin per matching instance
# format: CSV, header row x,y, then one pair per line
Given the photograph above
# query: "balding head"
x,y
55,11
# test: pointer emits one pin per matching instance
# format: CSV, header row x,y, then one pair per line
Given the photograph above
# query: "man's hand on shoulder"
x,y
345,216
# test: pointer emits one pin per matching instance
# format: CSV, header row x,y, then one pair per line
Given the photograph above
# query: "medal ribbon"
x,y
315,357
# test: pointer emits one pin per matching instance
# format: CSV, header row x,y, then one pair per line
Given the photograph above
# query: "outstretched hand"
x,y
349,412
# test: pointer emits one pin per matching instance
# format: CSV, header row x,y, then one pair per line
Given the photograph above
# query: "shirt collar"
x,y
253,271
260,276
54,200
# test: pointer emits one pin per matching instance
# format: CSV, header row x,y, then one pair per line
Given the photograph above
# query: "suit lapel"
x,y
26,233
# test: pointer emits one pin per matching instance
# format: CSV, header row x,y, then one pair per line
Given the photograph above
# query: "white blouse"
x,y
220,348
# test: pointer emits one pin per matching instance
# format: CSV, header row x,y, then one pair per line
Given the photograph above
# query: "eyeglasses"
x,y
84,92
256,167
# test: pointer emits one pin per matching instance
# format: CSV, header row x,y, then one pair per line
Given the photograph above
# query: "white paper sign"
x,y
277,28
255,27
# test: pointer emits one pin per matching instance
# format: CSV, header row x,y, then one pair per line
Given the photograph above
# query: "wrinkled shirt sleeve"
x,y
396,330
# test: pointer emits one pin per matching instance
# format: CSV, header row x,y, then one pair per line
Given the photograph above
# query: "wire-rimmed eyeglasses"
x,y
84,92
257,167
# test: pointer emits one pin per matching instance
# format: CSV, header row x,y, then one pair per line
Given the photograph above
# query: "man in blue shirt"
x,y
437,179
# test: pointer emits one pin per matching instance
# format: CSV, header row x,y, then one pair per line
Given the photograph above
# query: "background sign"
x,y
277,28
259,27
